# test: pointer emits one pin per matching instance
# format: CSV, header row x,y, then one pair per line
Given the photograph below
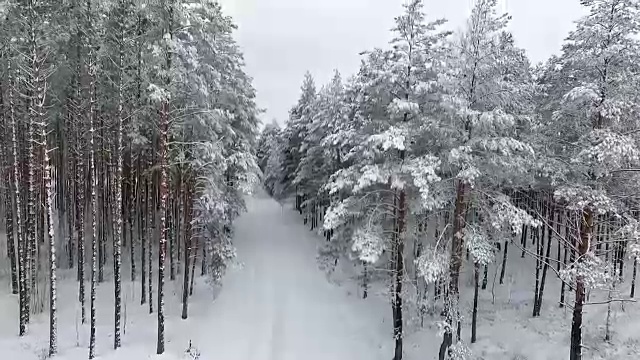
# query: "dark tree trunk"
x,y
188,204
143,218
9,212
399,274
547,258
586,231
503,269
474,316
193,264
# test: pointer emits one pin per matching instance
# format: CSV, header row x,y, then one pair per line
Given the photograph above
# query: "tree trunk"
x,y
633,278
193,264
188,215
22,280
457,246
53,326
503,269
474,316
93,182
586,229
118,180
547,258
9,214
143,218
399,274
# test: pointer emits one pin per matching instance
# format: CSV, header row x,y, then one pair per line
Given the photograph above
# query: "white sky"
x,y
281,39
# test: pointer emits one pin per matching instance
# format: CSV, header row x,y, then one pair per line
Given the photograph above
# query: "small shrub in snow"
x,y
192,352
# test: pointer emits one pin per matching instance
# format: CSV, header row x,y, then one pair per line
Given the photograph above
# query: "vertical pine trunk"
x,y
633,278
203,261
399,275
143,218
193,264
586,230
22,279
547,258
188,216
539,236
474,315
171,236
118,180
53,327
93,173
152,215
132,190
162,244
503,268
565,256
163,161
9,213
457,245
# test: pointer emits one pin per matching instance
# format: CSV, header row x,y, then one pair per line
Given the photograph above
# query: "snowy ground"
x,y
276,304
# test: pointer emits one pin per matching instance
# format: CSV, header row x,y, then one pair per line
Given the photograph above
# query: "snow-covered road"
x,y
279,305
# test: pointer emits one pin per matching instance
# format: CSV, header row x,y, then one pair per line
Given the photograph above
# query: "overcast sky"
x,y
281,39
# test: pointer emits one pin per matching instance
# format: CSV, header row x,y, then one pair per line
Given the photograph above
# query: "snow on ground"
x,y
276,304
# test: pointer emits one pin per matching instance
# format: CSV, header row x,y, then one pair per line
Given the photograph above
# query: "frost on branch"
x,y
370,175
399,107
580,95
432,265
337,214
506,214
580,197
342,179
594,272
477,242
607,151
156,93
393,138
495,119
423,170
462,157
504,146
368,243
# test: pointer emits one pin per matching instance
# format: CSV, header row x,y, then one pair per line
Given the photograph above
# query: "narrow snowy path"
x,y
279,305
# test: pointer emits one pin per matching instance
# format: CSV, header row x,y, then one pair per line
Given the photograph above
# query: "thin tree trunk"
x,y
143,219
188,201
53,326
93,182
193,264
22,279
503,269
633,278
546,260
171,221
474,315
9,213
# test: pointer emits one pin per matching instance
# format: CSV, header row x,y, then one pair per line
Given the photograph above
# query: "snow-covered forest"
x,y
449,168
449,200
128,132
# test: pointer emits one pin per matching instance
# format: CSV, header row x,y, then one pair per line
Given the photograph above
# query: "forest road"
x,y
278,305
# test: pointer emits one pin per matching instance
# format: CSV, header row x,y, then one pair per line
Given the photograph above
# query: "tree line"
x,y
449,148
128,132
